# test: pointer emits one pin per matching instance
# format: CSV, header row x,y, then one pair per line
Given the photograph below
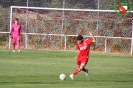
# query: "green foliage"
x,y
3,38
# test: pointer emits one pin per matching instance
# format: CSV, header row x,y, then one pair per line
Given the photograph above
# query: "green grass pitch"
x,y
41,69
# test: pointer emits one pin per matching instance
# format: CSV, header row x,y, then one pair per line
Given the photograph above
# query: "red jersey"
x,y
84,49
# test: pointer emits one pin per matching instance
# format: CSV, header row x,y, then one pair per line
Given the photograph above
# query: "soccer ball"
x,y
62,76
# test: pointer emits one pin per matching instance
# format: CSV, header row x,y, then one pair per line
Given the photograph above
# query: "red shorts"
x,y
84,60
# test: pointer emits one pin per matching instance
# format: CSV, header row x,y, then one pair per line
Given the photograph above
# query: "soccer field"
x,y
41,69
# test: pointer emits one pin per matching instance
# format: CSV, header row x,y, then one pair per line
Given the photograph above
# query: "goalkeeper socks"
x,y
13,46
18,43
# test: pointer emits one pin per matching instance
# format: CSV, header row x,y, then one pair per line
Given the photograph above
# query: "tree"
x,y
34,3
84,4
7,3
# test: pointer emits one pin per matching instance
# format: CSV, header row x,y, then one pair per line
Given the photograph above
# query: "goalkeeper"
x,y
15,34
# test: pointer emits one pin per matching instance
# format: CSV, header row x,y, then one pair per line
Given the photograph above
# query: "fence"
x,y
112,32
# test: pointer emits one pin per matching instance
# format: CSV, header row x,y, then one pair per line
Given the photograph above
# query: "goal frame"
x,y
64,9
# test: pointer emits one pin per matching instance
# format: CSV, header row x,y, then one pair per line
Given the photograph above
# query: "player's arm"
x,y
93,39
10,33
10,36
77,55
79,32
78,52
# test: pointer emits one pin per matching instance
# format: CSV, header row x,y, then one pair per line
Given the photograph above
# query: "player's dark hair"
x,y
16,19
79,37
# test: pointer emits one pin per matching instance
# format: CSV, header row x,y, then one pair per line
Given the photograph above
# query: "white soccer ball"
x,y
62,76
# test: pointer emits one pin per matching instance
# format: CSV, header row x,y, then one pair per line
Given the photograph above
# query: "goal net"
x,y
56,28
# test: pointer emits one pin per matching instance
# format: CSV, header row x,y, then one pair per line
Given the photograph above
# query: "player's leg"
x,y
85,70
85,61
13,44
77,70
81,66
18,43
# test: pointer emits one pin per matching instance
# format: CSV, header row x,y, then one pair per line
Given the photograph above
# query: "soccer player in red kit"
x,y
83,55
15,34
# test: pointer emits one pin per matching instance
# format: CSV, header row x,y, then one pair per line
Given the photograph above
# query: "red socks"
x,y
76,71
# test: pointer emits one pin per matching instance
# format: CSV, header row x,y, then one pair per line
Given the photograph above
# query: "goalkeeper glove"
x,y
10,36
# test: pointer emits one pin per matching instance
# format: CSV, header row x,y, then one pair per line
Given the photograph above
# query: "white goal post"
x,y
63,9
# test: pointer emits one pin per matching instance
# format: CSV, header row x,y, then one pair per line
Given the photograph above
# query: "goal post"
x,y
65,22
132,39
